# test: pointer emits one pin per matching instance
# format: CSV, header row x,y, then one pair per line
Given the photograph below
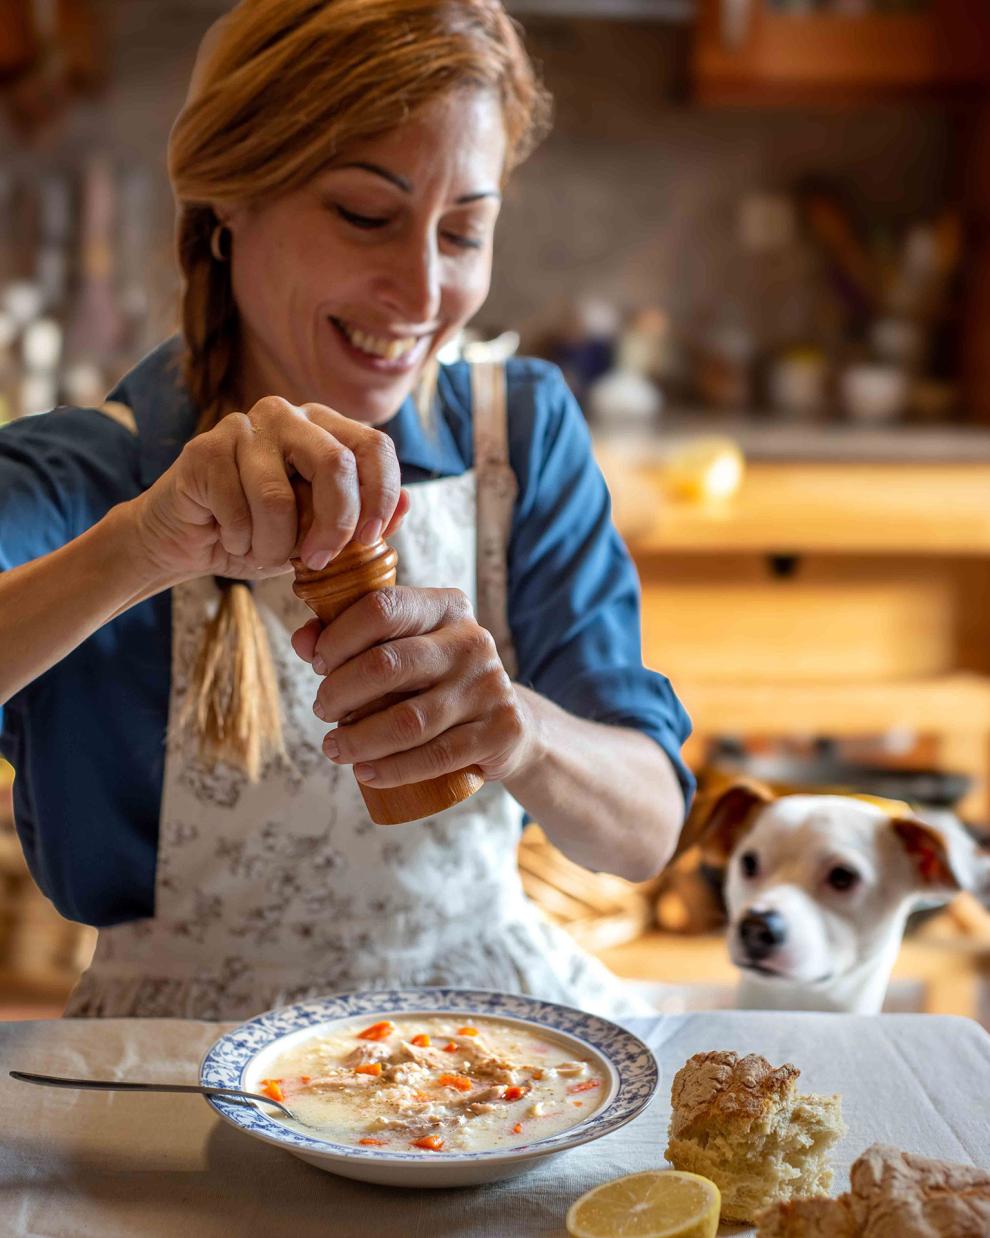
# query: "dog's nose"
x,y
761,931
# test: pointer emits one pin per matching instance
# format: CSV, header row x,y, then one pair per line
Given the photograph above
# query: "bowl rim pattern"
x,y
228,1060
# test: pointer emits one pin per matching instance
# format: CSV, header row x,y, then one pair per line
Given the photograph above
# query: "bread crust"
x,y
728,1090
741,1122
893,1194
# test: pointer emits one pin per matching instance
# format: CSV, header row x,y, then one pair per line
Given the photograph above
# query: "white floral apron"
x,y
273,892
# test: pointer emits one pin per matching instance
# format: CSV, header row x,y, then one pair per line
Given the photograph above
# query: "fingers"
x,y
394,667
401,510
212,481
374,482
242,475
270,497
386,615
452,751
415,707
492,743
304,639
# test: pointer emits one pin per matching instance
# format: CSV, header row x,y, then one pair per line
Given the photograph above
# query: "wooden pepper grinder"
x,y
358,570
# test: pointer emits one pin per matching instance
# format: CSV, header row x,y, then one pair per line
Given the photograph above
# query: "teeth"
x,y
391,350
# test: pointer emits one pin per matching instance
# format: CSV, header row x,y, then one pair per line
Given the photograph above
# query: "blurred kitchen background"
x,y
758,244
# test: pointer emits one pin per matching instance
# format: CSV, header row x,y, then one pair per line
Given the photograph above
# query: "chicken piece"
x,y
407,1073
418,1126
369,1051
338,1080
571,1068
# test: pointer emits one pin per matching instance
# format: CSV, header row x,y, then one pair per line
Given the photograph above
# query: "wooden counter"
x,y
822,599
797,506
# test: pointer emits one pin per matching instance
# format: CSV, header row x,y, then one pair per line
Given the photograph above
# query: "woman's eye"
x,y
463,242
749,863
842,878
368,222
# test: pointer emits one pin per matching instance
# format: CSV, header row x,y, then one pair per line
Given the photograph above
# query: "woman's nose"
x,y
412,287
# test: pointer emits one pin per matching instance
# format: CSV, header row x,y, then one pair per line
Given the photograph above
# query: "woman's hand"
x,y
227,505
459,707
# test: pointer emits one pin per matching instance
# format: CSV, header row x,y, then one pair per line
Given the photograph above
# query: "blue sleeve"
x,y
574,599
60,472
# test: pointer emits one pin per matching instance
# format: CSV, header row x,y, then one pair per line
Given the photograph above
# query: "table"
x,y
76,1164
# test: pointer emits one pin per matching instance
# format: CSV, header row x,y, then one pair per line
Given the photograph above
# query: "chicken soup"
x,y
435,1083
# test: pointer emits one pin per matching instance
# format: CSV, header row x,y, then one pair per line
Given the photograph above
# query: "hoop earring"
x,y
216,243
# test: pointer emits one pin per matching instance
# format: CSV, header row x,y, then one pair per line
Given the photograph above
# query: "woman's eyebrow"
x,y
402,183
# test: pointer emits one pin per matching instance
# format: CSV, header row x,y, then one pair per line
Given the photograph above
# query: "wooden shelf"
x,y
797,507
788,58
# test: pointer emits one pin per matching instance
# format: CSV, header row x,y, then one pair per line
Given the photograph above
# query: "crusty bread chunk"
x,y
808,1218
893,1194
740,1122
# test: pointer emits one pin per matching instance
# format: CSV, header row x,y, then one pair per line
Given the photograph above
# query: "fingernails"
x,y
318,560
319,711
365,773
331,747
369,533
318,665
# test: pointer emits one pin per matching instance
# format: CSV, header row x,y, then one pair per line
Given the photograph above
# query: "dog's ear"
x,y
945,860
720,817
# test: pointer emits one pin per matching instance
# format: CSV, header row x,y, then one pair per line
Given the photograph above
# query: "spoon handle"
x,y
115,1085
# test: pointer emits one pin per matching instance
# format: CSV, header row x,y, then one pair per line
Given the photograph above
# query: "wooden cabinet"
x,y
823,599
755,52
18,37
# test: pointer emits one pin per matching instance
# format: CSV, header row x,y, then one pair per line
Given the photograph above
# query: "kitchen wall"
x,y
633,199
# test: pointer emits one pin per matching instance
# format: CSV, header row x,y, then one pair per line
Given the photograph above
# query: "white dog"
x,y
819,888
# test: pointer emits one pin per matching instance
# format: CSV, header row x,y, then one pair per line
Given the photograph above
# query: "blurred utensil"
x,y
116,1085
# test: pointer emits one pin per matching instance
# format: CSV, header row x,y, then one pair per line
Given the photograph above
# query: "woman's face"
x,y
346,286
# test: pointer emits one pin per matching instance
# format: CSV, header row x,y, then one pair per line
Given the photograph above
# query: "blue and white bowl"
x,y
243,1057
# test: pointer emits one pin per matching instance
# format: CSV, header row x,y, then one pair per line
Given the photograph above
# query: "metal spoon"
x,y
113,1085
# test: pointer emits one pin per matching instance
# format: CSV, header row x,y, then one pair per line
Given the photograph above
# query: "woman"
x,y
338,170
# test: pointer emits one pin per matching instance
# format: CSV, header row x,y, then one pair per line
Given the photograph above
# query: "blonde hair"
x,y
284,87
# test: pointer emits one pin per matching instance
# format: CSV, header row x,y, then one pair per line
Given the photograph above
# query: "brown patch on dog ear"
x,y
720,816
928,852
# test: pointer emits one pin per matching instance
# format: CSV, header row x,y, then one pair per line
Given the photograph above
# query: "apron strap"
x,y
497,490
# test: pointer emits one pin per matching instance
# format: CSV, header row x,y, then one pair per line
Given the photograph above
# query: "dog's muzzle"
x,y
761,932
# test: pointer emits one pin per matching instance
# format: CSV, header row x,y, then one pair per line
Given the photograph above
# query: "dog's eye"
x,y
842,878
749,863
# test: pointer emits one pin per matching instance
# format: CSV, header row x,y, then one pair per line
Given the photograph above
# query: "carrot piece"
x,y
432,1143
373,1143
578,1104
377,1031
272,1088
305,1078
422,1041
467,1031
514,1093
517,1129
460,1082
369,1068
450,1048
585,1087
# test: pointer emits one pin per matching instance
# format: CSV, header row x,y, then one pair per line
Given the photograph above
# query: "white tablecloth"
x,y
117,1165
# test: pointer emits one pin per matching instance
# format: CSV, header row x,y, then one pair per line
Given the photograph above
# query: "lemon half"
x,y
659,1203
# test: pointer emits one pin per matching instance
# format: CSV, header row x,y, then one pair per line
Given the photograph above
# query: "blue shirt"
x,y
86,738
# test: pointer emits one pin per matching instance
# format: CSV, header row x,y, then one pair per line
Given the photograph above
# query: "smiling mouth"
x,y
383,347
